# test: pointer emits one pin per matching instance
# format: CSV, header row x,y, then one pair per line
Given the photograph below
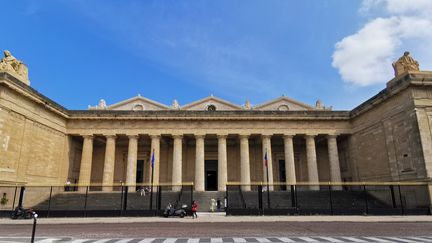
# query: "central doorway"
x,y
211,175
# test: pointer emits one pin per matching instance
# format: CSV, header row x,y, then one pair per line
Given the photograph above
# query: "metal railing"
x,y
350,198
95,200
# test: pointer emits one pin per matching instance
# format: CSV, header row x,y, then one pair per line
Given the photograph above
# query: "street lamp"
x,y
34,226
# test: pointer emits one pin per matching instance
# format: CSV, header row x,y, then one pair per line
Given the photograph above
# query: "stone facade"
x,y
211,141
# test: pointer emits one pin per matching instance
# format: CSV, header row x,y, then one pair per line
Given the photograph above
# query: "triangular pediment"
x,y
283,103
205,103
138,103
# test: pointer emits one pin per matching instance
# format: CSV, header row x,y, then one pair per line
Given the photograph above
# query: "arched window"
x,y
211,108
138,107
283,108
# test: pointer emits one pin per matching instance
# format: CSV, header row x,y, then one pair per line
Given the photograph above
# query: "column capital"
x,y
288,135
110,136
332,135
155,136
310,135
266,135
133,136
199,135
243,136
88,136
222,136
177,136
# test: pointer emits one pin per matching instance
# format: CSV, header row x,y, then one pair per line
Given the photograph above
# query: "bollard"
x,y
34,226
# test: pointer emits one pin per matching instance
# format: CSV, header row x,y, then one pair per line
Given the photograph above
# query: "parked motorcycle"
x,y
171,211
22,213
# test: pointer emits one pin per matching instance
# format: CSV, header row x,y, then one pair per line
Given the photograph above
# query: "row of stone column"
x,y
108,172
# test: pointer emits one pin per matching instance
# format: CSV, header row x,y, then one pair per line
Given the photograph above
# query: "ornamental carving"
x,y
405,64
14,66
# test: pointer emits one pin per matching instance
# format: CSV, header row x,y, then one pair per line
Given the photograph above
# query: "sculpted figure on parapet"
x,y
404,64
12,65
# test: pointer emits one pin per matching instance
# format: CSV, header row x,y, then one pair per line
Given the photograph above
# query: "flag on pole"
x,y
265,159
152,160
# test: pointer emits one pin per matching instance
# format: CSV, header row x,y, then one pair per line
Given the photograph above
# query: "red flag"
x,y
265,159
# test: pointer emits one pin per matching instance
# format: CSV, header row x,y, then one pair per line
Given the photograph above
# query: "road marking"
x,y
239,239
403,240
147,240
193,240
285,239
170,240
216,240
330,239
421,239
377,239
353,239
307,239
263,240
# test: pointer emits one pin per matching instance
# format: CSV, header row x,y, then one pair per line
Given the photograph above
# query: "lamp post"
x,y
34,226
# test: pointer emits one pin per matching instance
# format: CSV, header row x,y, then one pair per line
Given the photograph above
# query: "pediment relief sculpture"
x,y
15,67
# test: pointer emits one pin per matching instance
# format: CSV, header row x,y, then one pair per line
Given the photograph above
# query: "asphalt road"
x,y
221,229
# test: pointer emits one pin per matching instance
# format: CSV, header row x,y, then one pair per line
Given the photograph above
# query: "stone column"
x,y
290,173
155,148
108,172
335,173
266,148
244,162
132,162
312,161
177,163
199,163
86,162
222,162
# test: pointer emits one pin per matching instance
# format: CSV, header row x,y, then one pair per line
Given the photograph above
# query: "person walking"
x,y
194,207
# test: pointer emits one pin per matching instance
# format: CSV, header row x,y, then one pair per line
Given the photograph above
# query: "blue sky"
x,y
79,51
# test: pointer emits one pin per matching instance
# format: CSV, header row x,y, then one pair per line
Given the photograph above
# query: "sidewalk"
x,y
220,217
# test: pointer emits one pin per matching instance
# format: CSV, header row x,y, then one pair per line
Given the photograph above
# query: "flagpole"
x,y
268,186
152,174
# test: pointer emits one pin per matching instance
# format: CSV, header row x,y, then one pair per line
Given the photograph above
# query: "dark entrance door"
x,y
140,172
282,174
211,175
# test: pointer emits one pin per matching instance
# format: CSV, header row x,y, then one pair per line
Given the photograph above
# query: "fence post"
x,y
366,200
226,199
331,199
85,201
49,203
159,198
260,201
121,199
293,200
192,198
400,198
125,197
393,196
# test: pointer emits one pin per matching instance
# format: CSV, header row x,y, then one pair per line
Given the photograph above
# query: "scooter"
x,y
171,211
22,213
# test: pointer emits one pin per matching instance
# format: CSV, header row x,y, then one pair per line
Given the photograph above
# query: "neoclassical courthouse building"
x,y
212,141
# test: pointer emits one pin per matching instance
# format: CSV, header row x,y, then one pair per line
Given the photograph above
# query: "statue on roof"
x,y
404,64
14,66
175,104
247,105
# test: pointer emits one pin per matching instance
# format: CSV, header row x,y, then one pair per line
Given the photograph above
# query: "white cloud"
x,y
365,57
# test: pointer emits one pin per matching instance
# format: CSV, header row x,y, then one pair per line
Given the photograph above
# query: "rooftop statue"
x,y
404,64
14,66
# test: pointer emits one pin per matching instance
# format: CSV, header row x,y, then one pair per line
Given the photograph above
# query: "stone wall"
x,y
33,145
385,142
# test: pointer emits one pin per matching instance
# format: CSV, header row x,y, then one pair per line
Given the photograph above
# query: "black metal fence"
x,y
328,199
93,201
